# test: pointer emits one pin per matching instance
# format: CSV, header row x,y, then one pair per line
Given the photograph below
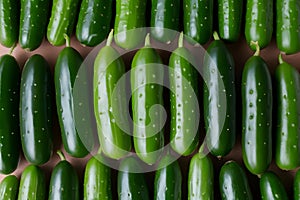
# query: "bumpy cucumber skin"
x,y
183,78
9,114
288,26
32,184
200,178
297,186
93,22
97,181
33,23
233,182
230,19
164,17
148,140
257,104
198,20
130,14
66,69
219,67
9,22
110,112
36,110
271,187
62,20
287,149
9,188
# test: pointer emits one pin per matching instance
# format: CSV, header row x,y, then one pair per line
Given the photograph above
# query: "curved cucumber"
x,y
9,188
220,120
9,114
93,23
35,110
32,184
288,120
110,102
271,187
257,115
297,186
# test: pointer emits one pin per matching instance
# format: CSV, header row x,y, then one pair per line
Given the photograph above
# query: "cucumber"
x,y
168,180
62,20
129,22
32,184
97,180
259,22
9,114
288,26
184,123
230,19
33,23
297,186
110,102
64,183
9,188
131,185
164,19
220,120
233,182
147,78
271,187
94,20
66,68
9,22
36,110
198,20
287,149
257,108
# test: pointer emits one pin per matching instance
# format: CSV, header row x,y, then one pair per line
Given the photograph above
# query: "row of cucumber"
x,y
95,18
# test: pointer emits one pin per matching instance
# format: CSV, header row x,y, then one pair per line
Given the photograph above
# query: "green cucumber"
x,y
130,22
94,20
9,22
198,20
233,182
257,108
220,120
271,187
297,186
259,22
62,20
33,23
288,26
64,182
165,19
9,114
66,68
131,185
147,77
9,188
287,149
36,110
110,102
230,19
184,123
97,180
32,184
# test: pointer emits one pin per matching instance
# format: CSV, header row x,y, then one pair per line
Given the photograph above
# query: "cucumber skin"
x,y
64,183
10,144
32,184
257,105
9,188
93,25
33,23
66,69
297,186
36,110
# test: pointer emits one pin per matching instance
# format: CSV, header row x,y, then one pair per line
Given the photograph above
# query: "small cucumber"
x,y
36,110
9,114
32,184
271,187
9,188
297,186
64,183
